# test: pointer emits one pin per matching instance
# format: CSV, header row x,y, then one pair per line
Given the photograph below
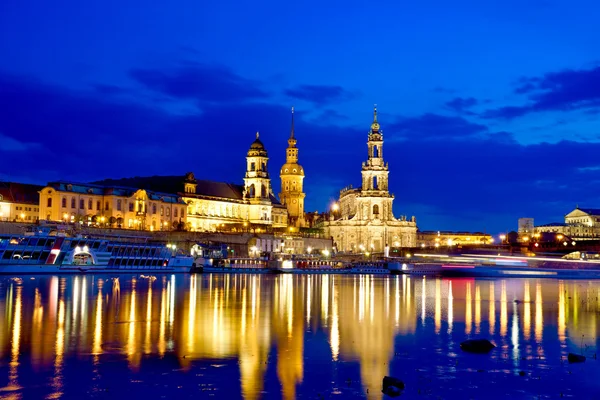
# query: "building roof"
x,y
20,192
100,189
552,224
175,184
590,211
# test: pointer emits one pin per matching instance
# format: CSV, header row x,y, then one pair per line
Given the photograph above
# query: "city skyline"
x,y
474,140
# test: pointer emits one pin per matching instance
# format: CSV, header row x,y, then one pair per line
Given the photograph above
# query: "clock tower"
x,y
292,176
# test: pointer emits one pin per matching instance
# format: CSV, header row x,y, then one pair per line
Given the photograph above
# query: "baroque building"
x,y
292,177
111,206
579,224
363,220
216,206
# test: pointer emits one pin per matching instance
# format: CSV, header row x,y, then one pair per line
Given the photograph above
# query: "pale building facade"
x,y
580,224
292,177
363,220
19,202
128,208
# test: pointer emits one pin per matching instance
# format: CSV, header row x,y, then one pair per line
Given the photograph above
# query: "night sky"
x,y
489,109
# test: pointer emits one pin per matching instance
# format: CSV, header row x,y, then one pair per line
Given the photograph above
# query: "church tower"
x,y
375,176
257,183
292,176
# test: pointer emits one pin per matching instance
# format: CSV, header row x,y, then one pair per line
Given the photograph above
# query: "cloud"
x,y
473,178
319,94
200,82
462,104
565,90
433,126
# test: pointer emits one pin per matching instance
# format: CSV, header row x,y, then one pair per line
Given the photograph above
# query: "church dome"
x,y
292,169
257,148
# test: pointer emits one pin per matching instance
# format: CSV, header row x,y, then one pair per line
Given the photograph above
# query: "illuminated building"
x,y
363,218
110,206
292,175
19,202
441,239
580,224
215,206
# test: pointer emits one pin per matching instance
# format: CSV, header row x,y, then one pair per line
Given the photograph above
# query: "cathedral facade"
x,y
292,177
363,220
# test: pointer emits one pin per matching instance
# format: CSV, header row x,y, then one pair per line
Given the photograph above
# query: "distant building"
x,y
19,202
580,224
525,226
445,239
363,220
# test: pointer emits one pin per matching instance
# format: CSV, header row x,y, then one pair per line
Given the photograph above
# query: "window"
x,y
130,206
376,152
49,201
252,166
72,202
64,202
106,206
90,204
118,205
175,213
374,182
153,208
375,209
162,210
130,223
168,212
98,205
81,204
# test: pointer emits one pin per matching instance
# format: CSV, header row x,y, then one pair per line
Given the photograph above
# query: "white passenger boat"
x,y
59,254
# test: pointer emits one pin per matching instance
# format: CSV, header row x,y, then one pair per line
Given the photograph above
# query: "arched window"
x,y
90,204
251,191
375,151
374,182
72,202
119,205
64,202
175,213
263,191
153,208
375,209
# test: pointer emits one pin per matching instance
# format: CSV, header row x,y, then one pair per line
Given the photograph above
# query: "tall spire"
x,y
257,134
375,124
292,130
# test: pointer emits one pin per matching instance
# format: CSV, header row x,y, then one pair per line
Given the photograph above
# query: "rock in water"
x,y
392,386
477,346
575,358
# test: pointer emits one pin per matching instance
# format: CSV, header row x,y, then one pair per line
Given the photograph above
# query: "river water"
x,y
262,336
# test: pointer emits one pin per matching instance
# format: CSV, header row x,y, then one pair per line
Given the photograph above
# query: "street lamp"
x,y
309,249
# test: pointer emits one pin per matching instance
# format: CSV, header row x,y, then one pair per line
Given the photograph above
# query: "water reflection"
x,y
285,335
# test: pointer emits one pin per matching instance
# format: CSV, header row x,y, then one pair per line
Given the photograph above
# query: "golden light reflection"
x,y
97,342
335,332
13,376
562,321
492,311
468,315
258,321
130,347
526,311
503,309
539,318
477,309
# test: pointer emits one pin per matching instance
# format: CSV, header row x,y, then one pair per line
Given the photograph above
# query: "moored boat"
x,y
41,254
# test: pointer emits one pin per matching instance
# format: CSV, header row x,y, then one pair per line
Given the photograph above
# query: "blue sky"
x,y
489,109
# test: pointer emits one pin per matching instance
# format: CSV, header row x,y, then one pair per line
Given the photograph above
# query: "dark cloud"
x,y
462,105
449,172
319,94
433,126
200,82
557,91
